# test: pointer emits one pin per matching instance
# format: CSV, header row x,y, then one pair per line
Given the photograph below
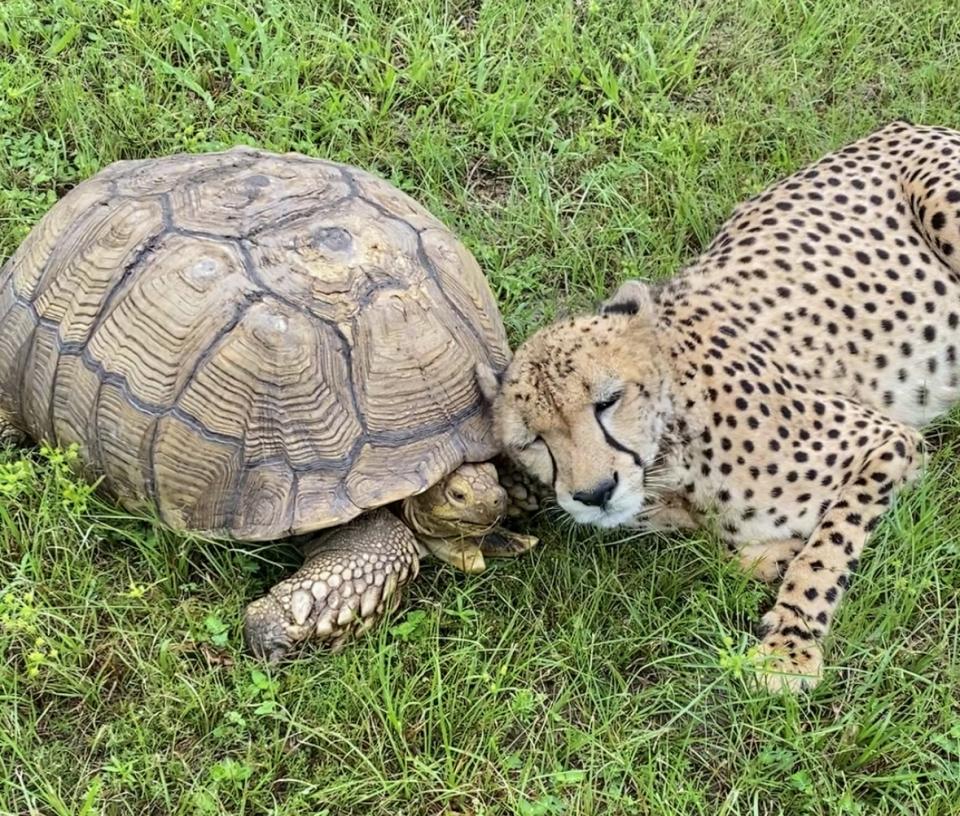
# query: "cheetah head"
x,y
583,407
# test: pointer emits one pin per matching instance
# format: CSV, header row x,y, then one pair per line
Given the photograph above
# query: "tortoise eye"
x,y
458,495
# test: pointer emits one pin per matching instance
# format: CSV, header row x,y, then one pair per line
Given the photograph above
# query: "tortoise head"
x,y
469,500
450,517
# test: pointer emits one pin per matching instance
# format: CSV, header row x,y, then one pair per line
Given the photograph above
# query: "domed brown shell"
x,y
252,344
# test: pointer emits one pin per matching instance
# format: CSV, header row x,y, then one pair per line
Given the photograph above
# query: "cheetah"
x,y
771,391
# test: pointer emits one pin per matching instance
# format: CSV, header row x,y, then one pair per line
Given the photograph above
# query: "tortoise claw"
x,y
265,631
503,543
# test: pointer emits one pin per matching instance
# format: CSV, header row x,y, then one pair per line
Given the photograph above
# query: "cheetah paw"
x,y
785,662
763,569
782,669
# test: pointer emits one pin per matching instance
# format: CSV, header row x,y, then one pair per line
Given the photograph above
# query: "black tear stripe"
x,y
553,464
620,447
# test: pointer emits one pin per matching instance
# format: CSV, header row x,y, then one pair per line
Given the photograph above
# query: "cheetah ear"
x,y
632,298
490,380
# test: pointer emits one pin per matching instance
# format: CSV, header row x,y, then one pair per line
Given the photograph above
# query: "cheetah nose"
x,y
598,495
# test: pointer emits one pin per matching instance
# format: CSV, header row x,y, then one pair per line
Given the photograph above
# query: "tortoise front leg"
x,y
350,577
503,543
526,495
10,434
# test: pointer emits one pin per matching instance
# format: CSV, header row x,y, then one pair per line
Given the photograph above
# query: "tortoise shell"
x,y
249,344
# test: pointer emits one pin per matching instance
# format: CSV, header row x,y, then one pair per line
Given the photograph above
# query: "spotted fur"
x,y
774,388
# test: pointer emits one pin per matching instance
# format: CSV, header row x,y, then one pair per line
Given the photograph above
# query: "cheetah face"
x,y
583,407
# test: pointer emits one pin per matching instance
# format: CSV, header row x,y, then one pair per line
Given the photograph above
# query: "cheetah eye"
x,y
528,445
607,403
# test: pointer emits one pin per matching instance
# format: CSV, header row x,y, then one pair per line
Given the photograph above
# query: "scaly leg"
x,y
504,543
351,576
525,494
9,433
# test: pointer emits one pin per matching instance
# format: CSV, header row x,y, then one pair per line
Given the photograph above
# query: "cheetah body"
x,y
771,391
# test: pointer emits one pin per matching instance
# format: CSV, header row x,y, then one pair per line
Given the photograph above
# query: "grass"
x,y
570,145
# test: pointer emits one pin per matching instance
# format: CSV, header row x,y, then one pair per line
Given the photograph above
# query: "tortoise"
x,y
262,346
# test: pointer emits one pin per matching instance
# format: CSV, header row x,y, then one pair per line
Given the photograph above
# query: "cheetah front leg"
x,y
818,576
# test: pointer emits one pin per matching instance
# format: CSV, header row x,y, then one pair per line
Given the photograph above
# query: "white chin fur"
x,y
619,511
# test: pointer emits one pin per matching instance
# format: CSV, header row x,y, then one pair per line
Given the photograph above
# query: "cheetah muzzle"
x,y
771,391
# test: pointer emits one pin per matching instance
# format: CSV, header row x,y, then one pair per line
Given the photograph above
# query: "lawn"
x,y
570,144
